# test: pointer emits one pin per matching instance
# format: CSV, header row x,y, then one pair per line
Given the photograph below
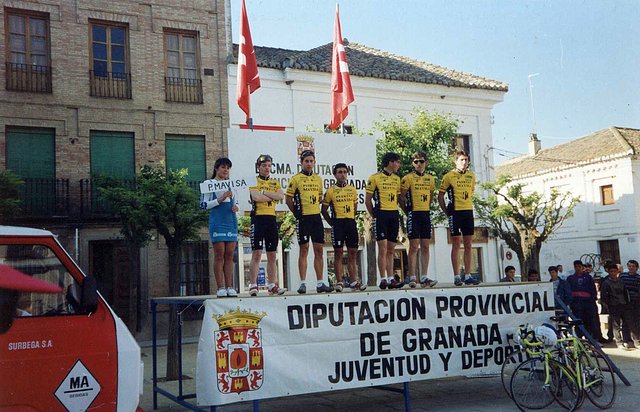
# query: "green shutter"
x,y
112,155
31,153
187,152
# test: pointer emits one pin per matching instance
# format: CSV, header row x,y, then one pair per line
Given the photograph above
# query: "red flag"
x,y
248,79
341,92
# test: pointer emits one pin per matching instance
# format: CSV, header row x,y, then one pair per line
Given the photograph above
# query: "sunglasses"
x,y
420,161
264,158
307,153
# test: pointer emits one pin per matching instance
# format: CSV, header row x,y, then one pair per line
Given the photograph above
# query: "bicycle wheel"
x,y
566,391
531,388
600,382
509,366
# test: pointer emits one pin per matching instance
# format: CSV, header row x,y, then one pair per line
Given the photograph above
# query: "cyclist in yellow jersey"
x,y
382,192
304,195
264,230
342,200
416,196
459,185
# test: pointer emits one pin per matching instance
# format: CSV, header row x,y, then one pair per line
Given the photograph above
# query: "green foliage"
x,y
431,133
523,220
9,195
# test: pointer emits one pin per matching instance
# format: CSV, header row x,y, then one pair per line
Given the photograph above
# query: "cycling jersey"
x,y
341,201
459,188
265,208
419,189
306,191
385,188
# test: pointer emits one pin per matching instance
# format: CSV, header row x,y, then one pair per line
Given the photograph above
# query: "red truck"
x,y
64,351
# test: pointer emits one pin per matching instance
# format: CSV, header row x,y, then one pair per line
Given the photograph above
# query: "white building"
x,y
294,96
603,169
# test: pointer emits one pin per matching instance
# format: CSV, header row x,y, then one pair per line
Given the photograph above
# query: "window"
x,y
187,152
182,80
609,250
39,262
606,195
31,155
194,269
462,142
27,60
109,72
111,155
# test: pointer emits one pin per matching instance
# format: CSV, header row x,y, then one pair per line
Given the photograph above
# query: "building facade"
x,y
94,88
603,169
294,96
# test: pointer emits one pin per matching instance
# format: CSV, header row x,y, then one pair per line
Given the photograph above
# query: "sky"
x,y
573,67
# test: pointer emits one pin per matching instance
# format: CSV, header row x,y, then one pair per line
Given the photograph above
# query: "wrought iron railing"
x,y
92,203
109,84
183,90
44,197
28,78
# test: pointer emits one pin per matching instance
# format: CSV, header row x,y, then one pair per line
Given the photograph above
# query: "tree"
x,y
523,221
9,195
164,202
432,133
129,206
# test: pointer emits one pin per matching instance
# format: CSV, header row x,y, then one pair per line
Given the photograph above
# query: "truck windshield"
x,y
40,262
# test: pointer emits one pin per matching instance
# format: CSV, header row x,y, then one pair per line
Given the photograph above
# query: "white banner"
x,y
257,348
213,185
357,152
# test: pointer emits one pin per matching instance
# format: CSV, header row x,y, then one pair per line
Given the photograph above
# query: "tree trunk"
x,y
134,257
530,255
175,256
370,245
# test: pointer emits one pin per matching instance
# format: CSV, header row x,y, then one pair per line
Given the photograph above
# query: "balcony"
x,y
44,198
183,90
109,84
28,78
92,203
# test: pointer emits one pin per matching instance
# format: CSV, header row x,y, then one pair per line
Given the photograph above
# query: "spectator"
x,y
615,298
584,295
561,273
561,288
631,280
533,275
509,274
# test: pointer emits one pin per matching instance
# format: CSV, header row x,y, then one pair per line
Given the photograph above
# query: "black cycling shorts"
x,y
419,225
344,232
387,224
264,233
310,227
461,222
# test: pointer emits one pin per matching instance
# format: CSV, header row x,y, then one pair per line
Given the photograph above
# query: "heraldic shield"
x,y
239,356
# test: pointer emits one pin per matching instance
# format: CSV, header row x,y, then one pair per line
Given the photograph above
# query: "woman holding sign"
x,y
223,228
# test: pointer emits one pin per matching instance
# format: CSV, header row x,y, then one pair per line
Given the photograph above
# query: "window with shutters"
x,y
187,152
606,195
28,66
111,156
109,56
182,67
30,154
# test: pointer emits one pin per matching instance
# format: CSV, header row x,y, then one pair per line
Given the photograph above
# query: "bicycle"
x,y
562,368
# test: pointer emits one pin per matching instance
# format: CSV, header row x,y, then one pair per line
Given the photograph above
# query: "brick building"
x,y
103,88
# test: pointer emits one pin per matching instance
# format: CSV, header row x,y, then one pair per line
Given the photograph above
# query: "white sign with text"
x,y
357,152
261,348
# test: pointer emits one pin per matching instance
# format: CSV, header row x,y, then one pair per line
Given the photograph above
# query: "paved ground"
x,y
453,394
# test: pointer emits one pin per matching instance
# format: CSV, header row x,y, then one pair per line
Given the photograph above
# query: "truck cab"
x,y
65,351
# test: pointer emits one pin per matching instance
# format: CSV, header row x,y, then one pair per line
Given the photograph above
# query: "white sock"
x,y
467,276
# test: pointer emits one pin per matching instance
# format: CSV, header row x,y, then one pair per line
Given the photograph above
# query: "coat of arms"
x,y
239,357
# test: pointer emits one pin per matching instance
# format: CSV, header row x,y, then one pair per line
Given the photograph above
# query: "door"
x,y
109,263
